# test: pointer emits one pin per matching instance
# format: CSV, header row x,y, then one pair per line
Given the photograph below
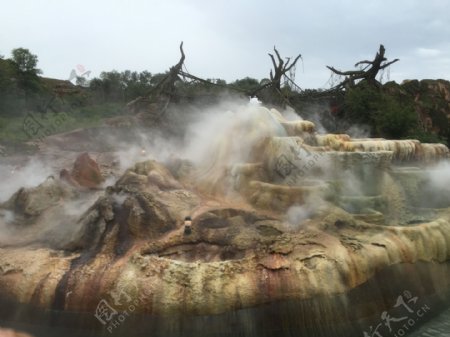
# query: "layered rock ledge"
x,y
300,216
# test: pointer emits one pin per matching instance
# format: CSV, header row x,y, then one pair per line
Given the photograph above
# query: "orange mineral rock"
x,y
12,333
86,171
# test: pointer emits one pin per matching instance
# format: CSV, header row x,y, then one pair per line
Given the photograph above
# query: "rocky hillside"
x,y
410,110
432,102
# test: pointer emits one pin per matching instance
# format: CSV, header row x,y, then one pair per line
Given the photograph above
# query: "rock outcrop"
x,y
85,172
432,102
300,216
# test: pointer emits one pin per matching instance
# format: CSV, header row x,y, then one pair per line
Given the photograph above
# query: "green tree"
x,y
157,78
247,84
114,86
82,81
389,115
360,103
25,60
393,118
27,73
10,99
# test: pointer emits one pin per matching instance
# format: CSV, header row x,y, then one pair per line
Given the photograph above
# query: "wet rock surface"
x,y
85,172
12,333
275,228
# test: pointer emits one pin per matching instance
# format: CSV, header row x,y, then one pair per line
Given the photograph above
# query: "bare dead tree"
x,y
280,68
156,101
270,92
167,84
368,73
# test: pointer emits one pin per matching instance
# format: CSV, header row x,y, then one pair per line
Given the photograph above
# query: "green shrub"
x,y
360,104
390,116
393,118
427,137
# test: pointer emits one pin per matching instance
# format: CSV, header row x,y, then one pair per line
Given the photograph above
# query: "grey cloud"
x,y
230,39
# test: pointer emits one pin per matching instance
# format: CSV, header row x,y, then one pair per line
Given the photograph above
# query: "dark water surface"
x,y
437,327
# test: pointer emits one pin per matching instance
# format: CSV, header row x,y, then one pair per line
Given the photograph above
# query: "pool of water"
x,y
438,326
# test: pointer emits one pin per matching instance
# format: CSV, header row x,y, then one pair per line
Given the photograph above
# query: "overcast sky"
x,y
230,39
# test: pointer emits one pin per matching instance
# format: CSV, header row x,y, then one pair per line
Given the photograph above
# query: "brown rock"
x,y
12,333
32,201
275,262
86,171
